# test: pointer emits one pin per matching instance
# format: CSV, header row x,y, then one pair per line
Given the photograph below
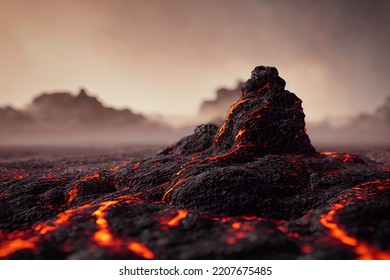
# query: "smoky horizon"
x,y
168,57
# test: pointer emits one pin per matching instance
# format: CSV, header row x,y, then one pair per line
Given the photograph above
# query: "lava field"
x,y
254,188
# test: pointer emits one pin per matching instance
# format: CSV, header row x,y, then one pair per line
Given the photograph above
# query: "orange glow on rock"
x,y
103,236
172,188
93,176
181,214
72,195
220,134
306,249
115,168
238,230
240,132
236,225
230,240
140,250
361,248
137,165
11,246
344,158
233,107
20,240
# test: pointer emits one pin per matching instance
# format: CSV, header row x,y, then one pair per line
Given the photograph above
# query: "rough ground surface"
x,y
254,188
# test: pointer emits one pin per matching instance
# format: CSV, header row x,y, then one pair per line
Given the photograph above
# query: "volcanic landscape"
x,y
253,188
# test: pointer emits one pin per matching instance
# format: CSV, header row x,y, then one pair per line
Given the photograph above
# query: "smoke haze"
x,y
167,56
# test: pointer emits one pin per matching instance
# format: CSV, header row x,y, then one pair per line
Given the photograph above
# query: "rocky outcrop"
x,y
253,188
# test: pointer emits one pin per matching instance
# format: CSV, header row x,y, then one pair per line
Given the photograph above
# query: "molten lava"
x,y
253,187
361,248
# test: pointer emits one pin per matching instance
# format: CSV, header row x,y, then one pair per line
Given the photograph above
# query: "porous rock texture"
x,y
254,188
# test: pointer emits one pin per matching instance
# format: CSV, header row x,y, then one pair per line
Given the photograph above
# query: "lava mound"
x,y
254,187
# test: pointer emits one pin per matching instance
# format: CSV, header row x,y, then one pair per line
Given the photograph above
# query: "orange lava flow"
x,y
220,134
181,214
72,195
20,240
239,134
361,248
137,165
335,231
62,218
103,236
339,156
172,188
140,250
267,85
115,168
11,246
93,176
233,107
226,155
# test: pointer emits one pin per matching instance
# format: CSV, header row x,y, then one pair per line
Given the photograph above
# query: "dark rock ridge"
x,y
253,188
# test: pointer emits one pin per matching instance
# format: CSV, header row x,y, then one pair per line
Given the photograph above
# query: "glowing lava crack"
x,y
253,188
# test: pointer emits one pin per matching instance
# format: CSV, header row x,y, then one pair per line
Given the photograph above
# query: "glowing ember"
x,y
238,231
306,249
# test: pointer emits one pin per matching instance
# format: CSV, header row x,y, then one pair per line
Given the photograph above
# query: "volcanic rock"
x,y
253,188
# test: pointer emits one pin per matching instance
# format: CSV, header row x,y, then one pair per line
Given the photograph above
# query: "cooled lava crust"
x,y
254,188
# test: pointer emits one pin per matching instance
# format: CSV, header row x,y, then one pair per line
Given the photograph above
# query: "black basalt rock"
x,y
253,188
267,119
245,169
201,140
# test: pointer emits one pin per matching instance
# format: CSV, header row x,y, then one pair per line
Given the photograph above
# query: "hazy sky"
x,y
167,56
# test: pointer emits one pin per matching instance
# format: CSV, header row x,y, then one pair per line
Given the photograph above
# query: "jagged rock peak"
x,y
263,76
267,119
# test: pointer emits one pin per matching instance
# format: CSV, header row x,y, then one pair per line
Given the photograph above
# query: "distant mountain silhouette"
x,y
81,109
380,117
9,115
215,110
364,129
64,117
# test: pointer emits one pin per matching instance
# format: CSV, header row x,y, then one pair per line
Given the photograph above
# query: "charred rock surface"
x,y
254,188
